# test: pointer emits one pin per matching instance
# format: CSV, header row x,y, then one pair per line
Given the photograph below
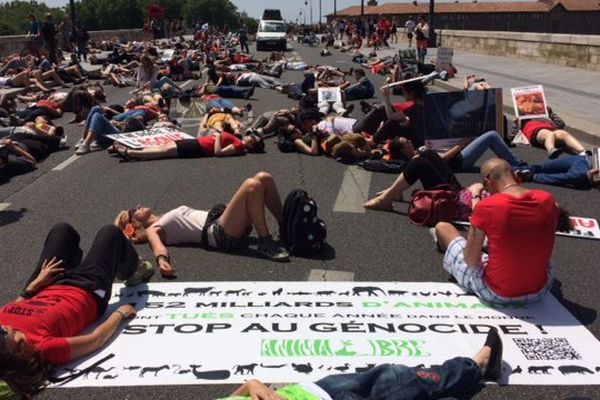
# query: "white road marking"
x,y
322,275
354,190
4,206
65,163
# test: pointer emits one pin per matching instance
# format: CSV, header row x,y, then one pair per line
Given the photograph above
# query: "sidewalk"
x,y
571,92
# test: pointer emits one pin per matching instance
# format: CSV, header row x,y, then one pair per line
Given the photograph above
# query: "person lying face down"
x,y
457,377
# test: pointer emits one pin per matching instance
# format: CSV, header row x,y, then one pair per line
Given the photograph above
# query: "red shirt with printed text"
x,y
50,317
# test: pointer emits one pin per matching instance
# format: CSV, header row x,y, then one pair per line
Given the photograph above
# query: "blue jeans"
x,y
130,114
455,377
165,79
220,104
234,92
82,51
564,171
100,126
490,140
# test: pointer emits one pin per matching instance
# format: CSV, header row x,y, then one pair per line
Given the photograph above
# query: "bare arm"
x,y
389,110
312,150
85,344
156,237
474,245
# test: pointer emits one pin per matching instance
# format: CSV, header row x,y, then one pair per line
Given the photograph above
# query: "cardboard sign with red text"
x,y
150,137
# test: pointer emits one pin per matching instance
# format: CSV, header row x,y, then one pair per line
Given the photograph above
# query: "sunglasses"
x,y
130,213
3,333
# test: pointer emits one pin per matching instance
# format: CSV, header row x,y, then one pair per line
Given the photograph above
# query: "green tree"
x,y
215,12
110,14
14,15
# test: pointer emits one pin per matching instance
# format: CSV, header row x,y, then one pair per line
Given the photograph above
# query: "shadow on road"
x,y
583,314
10,216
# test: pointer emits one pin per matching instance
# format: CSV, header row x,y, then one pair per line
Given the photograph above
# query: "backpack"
x,y
428,207
302,231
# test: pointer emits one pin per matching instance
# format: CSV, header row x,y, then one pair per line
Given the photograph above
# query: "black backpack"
x,y
302,231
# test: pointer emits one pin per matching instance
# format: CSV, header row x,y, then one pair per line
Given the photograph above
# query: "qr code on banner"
x,y
547,349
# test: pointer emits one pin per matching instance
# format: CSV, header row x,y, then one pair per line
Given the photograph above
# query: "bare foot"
x,y
378,204
592,177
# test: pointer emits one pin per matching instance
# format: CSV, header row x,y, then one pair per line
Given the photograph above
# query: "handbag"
x,y
428,207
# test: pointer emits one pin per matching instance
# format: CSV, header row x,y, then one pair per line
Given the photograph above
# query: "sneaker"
x,y
585,152
62,143
79,143
269,248
526,175
94,146
142,274
83,149
554,153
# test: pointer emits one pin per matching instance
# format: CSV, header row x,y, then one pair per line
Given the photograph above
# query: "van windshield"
x,y
271,27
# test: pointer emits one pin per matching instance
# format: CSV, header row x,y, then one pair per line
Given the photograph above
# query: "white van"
x,y
272,34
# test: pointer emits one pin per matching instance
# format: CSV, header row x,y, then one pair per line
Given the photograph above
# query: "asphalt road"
x,y
374,246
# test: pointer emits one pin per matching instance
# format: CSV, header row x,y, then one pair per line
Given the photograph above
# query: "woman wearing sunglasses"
x,y
64,295
222,228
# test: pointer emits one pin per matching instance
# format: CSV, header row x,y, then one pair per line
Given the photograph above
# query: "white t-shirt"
x,y
337,125
410,26
182,225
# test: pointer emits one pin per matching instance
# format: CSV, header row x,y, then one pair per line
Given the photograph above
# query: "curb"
x,y
583,136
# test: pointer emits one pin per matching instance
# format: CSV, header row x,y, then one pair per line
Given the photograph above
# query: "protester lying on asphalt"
x,y
223,227
37,333
457,377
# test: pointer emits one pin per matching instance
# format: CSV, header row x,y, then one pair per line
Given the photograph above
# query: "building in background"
x,y
548,16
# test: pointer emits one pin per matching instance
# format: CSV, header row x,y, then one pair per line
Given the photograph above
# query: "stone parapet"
x,y
16,43
579,51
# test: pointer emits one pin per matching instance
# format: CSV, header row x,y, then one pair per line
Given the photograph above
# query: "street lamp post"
x,y
432,34
334,8
362,8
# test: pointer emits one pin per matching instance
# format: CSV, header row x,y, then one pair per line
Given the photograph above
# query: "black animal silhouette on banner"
x,y
370,290
247,369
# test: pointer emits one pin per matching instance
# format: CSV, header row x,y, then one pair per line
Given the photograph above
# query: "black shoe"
x,y
365,106
494,366
526,175
554,153
348,111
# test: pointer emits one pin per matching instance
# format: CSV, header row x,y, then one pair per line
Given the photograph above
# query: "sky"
x,y
290,9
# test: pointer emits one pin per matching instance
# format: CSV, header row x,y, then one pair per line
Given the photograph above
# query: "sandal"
x,y
378,205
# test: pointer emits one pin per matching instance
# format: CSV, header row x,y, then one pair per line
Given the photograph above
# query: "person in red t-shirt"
x,y
549,134
518,269
216,144
63,296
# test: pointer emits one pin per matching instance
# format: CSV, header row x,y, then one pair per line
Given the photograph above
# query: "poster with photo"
x,y
451,116
331,94
529,102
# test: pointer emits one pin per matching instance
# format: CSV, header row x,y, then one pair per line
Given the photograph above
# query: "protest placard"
x,y
443,59
189,333
150,137
331,94
529,102
451,116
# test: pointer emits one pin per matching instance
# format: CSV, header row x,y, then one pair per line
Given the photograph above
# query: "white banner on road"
x,y
150,137
228,332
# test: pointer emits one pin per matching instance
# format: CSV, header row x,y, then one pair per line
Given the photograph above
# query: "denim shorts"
x,y
221,240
